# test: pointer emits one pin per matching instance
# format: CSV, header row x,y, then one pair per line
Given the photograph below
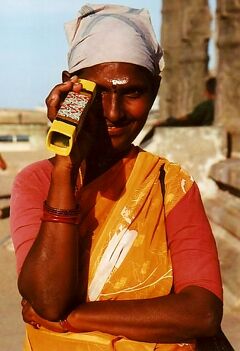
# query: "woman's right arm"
x,y
49,275
49,278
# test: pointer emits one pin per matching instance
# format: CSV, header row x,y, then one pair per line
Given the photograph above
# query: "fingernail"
x,y
73,78
35,324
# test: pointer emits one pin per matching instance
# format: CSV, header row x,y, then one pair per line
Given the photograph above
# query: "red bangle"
x,y
59,215
47,217
67,327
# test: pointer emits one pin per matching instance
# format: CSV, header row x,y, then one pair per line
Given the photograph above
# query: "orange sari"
x,y
123,212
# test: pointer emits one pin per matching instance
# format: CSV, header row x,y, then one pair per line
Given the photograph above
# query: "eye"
x,y
134,93
99,95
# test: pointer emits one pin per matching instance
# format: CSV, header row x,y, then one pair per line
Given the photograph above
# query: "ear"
x,y
65,76
156,84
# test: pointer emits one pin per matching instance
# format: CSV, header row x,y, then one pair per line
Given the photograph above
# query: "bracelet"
x,y
47,217
67,327
59,211
58,215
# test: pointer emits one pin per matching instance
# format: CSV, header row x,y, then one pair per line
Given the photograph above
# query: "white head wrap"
x,y
112,33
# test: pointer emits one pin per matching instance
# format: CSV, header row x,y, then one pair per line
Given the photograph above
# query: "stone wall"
x,y
18,116
228,92
223,210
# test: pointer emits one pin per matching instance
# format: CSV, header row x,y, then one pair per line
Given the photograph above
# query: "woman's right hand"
x,y
58,94
54,101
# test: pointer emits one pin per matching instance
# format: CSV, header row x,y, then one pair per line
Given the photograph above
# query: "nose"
x,y
112,107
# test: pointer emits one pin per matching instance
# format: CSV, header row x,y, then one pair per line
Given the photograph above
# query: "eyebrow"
x,y
122,88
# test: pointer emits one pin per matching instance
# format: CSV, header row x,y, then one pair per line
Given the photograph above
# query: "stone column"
x,y
228,90
184,37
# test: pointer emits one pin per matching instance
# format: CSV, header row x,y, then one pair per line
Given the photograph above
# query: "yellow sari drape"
x,y
124,214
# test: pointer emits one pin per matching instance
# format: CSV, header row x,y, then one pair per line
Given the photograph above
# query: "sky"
x,y
34,46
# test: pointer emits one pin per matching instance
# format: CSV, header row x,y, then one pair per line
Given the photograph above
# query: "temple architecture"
x,y
184,37
211,154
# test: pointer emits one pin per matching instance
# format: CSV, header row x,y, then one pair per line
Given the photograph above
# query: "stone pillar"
x,y
184,37
228,90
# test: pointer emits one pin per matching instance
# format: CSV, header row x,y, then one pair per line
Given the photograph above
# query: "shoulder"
x,y
176,178
174,172
177,182
35,169
35,175
31,186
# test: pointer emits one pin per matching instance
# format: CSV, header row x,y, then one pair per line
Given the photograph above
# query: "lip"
x,y
116,131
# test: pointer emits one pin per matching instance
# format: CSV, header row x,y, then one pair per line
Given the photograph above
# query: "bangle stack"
x,y
58,215
67,327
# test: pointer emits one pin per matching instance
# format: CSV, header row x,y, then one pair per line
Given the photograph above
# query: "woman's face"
x,y
125,94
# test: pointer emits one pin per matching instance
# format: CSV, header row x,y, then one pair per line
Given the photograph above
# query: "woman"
x,y
111,255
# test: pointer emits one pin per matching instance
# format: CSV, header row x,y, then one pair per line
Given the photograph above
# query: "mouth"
x,y
117,129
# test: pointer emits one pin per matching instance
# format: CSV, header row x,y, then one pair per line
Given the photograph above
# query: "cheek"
x,y
138,109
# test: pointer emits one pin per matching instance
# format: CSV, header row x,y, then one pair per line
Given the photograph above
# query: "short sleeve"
x,y
29,190
192,244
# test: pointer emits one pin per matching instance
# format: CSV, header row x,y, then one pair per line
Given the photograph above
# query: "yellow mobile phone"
x,y
70,117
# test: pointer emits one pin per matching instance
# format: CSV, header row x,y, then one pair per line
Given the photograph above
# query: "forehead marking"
x,y
119,81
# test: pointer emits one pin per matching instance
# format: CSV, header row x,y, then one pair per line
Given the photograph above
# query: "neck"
x,y
97,164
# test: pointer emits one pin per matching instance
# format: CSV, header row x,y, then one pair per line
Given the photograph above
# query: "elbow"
x,y
50,308
211,324
205,313
208,324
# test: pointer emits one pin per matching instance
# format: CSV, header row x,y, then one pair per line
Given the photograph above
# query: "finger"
x,y
76,86
25,318
35,325
23,302
56,96
25,315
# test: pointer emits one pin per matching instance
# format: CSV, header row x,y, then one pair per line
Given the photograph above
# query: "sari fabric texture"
x,y
123,214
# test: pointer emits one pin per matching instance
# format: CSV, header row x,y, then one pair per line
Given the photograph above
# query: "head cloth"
x,y
113,33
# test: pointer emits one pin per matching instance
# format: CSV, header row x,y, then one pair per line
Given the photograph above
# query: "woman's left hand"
x,y
32,318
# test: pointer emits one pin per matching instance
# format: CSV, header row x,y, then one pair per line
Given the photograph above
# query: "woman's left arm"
x,y
192,313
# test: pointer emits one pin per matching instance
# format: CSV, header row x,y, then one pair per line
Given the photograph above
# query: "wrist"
x,y
65,164
63,182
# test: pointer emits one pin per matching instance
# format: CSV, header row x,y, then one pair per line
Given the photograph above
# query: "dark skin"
x,y
118,114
